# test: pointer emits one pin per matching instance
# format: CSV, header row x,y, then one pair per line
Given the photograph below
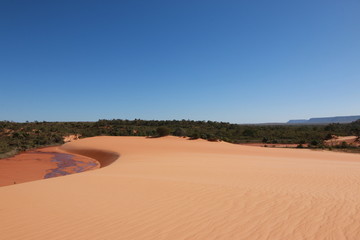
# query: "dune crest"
x,y
173,188
105,158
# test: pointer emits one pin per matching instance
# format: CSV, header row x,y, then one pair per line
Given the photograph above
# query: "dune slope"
x,y
173,188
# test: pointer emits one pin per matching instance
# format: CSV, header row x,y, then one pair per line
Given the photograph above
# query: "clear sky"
x,y
242,61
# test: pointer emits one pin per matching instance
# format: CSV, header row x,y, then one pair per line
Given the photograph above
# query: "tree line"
x,y
15,137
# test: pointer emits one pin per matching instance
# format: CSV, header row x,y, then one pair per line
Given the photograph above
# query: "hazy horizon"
x,y
238,62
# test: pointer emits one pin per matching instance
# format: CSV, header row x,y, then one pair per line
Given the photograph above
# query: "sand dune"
x,y
173,188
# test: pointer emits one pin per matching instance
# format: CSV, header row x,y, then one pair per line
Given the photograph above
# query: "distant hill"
x,y
326,120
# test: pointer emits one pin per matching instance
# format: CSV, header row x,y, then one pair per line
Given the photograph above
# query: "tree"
x,y
357,132
195,136
328,136
179,132
249,132
162,131
314,143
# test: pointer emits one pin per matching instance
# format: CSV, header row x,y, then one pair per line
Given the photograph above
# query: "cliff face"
x,y
325,120
297,121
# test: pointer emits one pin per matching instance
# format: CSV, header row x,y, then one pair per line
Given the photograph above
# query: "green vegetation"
x,y
162,131
16,137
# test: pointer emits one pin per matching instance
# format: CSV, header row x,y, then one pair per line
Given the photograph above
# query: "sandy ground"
x,y
338,140
42,163
173,188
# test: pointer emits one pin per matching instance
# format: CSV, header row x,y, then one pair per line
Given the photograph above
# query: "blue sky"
x,y
234,61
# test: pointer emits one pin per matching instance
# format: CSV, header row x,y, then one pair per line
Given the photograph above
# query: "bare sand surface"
x,y
42,163
338,140
173,188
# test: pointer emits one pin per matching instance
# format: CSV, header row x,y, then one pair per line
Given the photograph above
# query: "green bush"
x,y
195,136
314,143
162,131
179,132
344,145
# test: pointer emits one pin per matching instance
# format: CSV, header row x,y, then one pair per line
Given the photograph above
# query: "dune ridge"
x,y
104,158
173,188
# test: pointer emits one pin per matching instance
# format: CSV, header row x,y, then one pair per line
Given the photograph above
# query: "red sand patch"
x,y
42,163
338,140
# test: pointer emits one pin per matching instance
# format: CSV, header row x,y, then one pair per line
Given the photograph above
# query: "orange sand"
x,y
337,140
173,188
34,165
24,167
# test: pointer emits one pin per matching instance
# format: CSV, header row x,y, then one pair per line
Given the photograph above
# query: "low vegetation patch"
x,y
162,131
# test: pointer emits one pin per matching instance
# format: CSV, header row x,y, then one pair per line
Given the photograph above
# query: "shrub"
x,y
314,143
212,138
328,136
162,131
344,145
179,132
195,136
249,132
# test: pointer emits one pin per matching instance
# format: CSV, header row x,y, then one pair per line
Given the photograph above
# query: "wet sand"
x,y
42,163
173,188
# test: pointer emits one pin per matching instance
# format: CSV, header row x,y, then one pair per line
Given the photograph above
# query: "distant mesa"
x,y
298,121
326,120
